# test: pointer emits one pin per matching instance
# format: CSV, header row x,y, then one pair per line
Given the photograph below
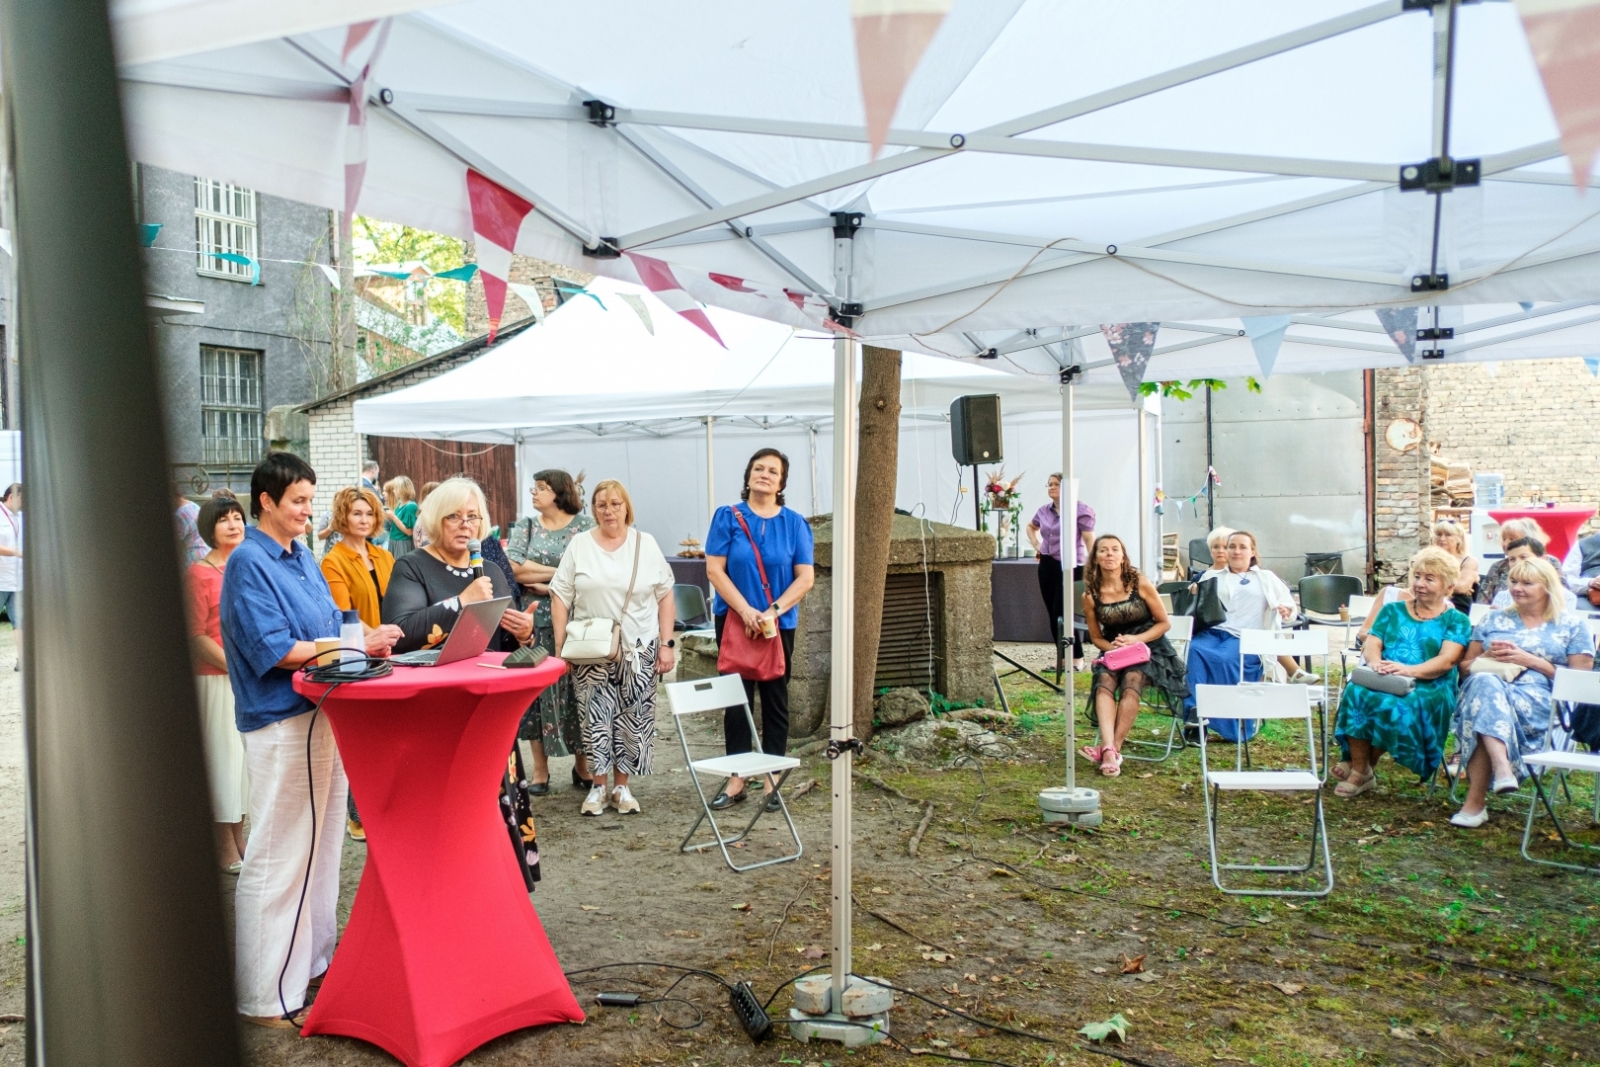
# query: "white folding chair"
x,y
718,694
1257,701
1577,687
1361,606
1270,644
1178,636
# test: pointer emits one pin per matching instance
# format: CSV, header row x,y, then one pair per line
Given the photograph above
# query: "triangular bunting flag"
x,y
355,131
354,34
1266,337
657,277
1131,345
330,273
531,296
1564,36
497,215
1593,363
636,302
459,274
891,36
1401,326
1525,305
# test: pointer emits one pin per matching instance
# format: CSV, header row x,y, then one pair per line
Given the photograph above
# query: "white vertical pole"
x,y
842,681
1144,497
1069,556
1161,484
811,435
711,476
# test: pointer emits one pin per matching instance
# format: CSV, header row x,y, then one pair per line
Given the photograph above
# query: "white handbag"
x,y
592,641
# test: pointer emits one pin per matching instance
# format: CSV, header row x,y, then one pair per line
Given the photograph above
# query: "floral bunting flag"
x,y
1132,344
891,36
1401,326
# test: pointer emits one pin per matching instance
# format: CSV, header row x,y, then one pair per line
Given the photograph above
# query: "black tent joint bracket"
x,y
607,248
846,223
601,113
837,748
1071,374
1428,5
989,353
1430,283
1440,174
1436,333
847,312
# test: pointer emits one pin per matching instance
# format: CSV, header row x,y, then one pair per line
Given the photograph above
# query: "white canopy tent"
x,y
615,384
1051,167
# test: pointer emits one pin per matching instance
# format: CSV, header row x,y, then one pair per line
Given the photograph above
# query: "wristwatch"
x,y
672,642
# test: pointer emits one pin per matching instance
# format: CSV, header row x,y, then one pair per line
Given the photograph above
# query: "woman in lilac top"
x,y
1044,533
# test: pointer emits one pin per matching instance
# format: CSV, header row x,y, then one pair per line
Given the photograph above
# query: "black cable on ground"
x,y
1001,1028
712,975
789,982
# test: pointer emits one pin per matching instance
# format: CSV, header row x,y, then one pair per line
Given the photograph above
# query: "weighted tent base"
x,y
1079,807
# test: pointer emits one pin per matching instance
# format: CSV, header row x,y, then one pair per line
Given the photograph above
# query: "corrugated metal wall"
x,y
494,467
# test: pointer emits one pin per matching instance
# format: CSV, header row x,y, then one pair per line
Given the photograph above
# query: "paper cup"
x,y
326,653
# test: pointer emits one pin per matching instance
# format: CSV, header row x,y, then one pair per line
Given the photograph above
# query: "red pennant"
x,y
1565,38
891,36
497,215
657,277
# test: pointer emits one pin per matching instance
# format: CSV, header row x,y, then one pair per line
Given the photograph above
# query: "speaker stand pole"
x,y
1068,803
977,511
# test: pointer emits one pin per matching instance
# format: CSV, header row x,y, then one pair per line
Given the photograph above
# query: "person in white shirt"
x,y
11,562
1580,571
596,579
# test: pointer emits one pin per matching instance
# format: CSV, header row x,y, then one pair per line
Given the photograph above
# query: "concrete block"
x,y
813,994
863,999
851,1033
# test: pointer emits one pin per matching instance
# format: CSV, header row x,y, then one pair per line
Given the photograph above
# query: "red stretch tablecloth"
x,y
443,950
1561,523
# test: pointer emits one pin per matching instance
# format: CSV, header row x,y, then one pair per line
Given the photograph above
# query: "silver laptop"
x,y
468,639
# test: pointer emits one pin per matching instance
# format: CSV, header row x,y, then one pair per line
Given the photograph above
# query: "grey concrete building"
x,y
261,341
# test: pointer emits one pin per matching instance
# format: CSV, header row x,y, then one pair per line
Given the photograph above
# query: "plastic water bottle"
x,y
351,641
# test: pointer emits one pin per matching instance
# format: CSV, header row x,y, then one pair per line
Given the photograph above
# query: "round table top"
x,y
1560,522
482,676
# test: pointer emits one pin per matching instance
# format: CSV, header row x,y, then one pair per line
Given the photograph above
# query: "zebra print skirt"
x,y
617,702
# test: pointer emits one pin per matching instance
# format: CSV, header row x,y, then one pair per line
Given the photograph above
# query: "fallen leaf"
x,y
1148,976
741,907
1376,828
1288,989
589,907
1404,1033
996,978
1099,970
813,952
936,1043
1292,907
880,889
1148,774
957,1054
970,977
1134,965
874,947
1098,1032
1263,919
1000,872
1427,824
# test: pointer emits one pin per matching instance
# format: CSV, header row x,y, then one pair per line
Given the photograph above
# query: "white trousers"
x,y
282,836
230,786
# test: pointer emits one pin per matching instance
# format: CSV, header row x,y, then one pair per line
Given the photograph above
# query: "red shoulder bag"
x,y
755,659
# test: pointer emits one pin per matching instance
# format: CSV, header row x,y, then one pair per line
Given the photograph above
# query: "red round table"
x,y
443,950
1561,523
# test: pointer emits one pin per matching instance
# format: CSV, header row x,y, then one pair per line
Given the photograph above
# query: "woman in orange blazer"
x,y
358,575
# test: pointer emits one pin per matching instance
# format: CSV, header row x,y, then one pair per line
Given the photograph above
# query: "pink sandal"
x,y
1111,765
1091,753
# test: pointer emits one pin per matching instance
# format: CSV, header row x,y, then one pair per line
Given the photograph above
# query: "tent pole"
x,y
842,681
711,476
128,960
1161,481
1144,497
1069,804
811,440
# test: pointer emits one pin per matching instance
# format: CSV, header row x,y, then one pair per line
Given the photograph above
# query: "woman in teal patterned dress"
x,y
537,542
1422,640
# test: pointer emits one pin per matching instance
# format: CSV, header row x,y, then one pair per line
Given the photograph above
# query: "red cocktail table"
x,y
1561,523
443,950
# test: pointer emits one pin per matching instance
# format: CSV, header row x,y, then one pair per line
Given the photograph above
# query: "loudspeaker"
x,y
975,429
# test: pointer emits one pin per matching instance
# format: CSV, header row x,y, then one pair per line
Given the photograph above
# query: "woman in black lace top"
x,y
1122,607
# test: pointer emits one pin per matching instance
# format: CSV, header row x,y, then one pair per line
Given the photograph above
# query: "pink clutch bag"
x,y
1126,656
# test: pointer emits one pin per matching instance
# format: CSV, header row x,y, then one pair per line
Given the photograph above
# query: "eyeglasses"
x,y
462,520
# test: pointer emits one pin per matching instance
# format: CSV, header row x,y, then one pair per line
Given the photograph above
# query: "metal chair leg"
x,y
1541,797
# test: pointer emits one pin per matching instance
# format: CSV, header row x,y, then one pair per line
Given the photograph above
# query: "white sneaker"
x,y
595,802
1505,785
1470,822
623,801
1305,677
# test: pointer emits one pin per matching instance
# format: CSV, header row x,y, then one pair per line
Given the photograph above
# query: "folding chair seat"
x,y
692,612
1576,687
703,695
1179,635
1259,701
1309,644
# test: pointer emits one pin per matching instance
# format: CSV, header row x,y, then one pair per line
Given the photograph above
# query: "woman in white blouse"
x,y
617,701
1255,599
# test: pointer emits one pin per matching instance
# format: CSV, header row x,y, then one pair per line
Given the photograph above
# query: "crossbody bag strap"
x,y
631,579
760,568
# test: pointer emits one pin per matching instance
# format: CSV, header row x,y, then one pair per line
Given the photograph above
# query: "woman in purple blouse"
x,y
1044,533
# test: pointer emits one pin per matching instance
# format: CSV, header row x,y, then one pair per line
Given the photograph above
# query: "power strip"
x,y
752,1016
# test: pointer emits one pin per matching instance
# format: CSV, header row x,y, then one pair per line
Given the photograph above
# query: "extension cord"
x,y
752,1016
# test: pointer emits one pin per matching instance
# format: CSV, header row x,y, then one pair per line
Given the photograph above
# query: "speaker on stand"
x,y
975,439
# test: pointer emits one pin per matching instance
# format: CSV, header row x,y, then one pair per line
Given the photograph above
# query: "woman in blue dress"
x,y
1506,701
1422,640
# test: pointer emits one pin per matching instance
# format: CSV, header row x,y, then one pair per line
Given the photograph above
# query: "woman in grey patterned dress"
x,y
537,542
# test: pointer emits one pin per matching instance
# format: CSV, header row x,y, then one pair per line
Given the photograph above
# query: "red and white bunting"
x,y
355,131
1565,38
497,215
891,36
657,277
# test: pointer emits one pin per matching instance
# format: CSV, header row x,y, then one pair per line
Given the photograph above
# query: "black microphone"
x,y
475,549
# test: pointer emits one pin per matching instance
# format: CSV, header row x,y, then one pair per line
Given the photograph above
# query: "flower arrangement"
x,y
1001,493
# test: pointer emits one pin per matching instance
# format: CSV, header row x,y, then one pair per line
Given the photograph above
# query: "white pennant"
x,y
636,302
1266,337
530,296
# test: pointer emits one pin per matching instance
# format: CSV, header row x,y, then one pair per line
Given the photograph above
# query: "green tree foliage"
x,y
376,241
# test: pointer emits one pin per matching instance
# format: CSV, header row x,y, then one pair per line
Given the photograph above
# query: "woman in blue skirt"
x,y
1255,599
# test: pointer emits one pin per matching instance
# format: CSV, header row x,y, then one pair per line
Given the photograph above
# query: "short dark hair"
x,y
11,490
1527,542
569,498
220,506
783,481
369,465
274,475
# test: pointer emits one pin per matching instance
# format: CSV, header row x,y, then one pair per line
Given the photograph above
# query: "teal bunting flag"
x,y
1593,363
243,261
459,274
1266,334
147,233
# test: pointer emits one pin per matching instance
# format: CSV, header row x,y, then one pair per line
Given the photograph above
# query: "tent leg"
x,y
1070,804
1144,498
711,477
128,961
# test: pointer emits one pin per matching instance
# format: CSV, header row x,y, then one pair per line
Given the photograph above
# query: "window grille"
x,y
224,222
230,405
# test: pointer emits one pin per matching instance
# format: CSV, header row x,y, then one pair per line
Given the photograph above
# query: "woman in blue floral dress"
x,y
1501,719
1422,640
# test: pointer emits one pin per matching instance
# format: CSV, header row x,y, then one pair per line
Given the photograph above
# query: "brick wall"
x,y
1400,479
524,271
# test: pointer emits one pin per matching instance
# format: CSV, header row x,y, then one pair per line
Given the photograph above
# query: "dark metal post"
x,y
977,500
129,960
1211,490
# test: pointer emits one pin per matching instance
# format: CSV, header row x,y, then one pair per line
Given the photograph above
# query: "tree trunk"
x,y
877,465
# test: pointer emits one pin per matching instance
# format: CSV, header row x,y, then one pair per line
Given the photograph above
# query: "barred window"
x,y
224,222
230,405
